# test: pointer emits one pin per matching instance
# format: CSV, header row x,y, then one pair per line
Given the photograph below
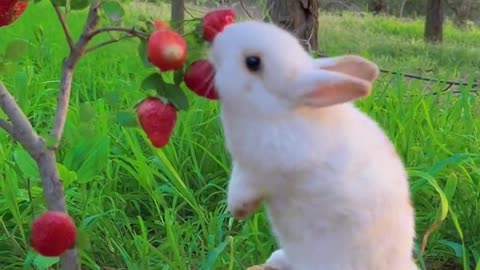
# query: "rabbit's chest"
x,y
270,146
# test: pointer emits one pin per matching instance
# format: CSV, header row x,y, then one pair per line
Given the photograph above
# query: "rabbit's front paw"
x,y
243,208
278,261
243,195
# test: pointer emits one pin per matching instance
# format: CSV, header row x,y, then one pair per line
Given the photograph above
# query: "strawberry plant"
x,y
161,47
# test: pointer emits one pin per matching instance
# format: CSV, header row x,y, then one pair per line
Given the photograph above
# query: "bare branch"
x,y
131,31
67,74
63,22
21,129
246,9
188,12
7,127
103,44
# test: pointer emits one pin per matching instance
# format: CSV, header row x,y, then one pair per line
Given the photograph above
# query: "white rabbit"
x,y
336,191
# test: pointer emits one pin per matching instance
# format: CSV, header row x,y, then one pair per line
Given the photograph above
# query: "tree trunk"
x,y
402,7
177,20
300,17
434,21
178,15
378,6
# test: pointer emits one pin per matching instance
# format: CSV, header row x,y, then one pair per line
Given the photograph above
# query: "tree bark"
x,y
433,32
402,8
300,17
378,6
178,15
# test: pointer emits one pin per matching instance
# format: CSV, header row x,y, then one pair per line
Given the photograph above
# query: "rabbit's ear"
x,y
319,88
352,65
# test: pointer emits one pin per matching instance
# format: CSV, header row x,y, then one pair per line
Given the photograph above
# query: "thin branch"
x,y
103,44
67,74
131,31
63,22
187,11
7,127
246,9
21,129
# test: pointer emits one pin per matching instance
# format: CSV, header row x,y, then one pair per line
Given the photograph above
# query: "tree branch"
x,y
244,7
67,74
20,129
103,44
131,31
7,127
63,22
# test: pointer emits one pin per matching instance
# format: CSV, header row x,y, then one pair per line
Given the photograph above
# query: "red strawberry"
x,y
53,233
199,77
160,25
214,22
157,120
167,50
10,11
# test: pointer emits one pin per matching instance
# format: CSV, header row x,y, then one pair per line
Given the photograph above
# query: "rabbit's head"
x,y
263,70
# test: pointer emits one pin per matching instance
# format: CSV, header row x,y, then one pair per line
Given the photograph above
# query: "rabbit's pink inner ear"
x,y
352,65
329,88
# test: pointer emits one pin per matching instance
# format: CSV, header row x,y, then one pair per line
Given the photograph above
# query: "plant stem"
x,y
7,127
63,22
130,31
67,74
108,42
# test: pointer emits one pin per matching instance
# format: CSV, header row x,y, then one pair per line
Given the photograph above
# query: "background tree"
x,y
464,10
299,17
178,15
434,21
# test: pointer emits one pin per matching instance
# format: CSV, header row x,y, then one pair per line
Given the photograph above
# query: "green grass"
x,y
143,208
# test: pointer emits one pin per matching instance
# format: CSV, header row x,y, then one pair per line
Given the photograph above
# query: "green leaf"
x,y
44,263
88,158
40,262
142,52
112,98
59,3
67,176
177,96
113,10
87,112
178,76
128,119
79,4
26,164
152,81
16,50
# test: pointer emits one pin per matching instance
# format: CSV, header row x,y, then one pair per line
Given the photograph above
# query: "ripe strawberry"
x,y
214,22
53,233
167,50
199,77
160,25
10,11
157,120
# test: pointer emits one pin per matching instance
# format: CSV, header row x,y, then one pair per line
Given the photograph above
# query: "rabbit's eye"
x,y
253,63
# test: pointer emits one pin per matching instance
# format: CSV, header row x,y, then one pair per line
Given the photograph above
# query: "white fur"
x,y
335,189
